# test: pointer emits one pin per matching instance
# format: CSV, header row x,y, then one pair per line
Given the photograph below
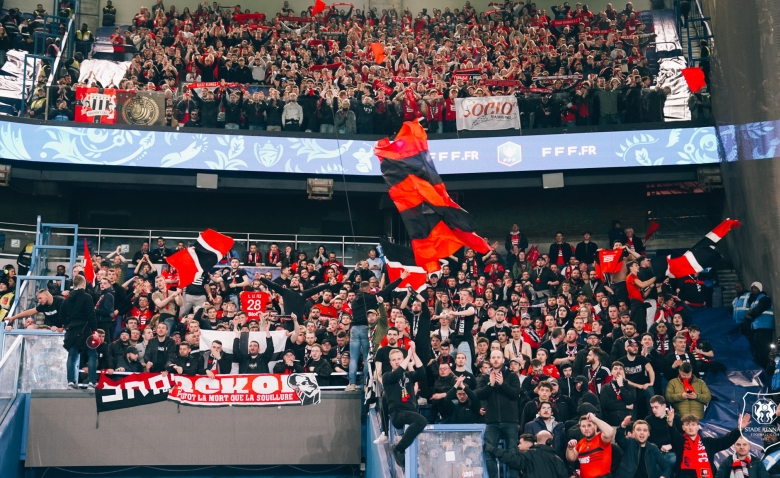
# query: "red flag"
x,y
702,255
417,277
437,226
610,261
651,229
694,77
319,6
379,52
192,262
532,255
89,269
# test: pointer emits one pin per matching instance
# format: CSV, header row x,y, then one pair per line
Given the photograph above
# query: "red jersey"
x,y
633,290
143,317
595,457
326,310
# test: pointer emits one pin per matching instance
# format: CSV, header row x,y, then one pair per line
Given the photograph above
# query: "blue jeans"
x,y
358,341
495,432
73,363
327,128
231,126
170,322
670,459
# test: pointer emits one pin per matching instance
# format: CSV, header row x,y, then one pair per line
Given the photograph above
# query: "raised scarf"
x,y
695,457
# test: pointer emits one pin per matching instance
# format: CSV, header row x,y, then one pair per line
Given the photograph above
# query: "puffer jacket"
x,y
683,406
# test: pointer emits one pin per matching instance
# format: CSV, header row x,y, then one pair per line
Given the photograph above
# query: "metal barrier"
x,y
105,241
9,375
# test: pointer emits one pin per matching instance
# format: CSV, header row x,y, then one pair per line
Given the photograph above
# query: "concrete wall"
x,y
746,89
62,433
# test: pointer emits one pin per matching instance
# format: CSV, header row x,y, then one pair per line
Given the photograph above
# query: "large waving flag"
x,y
193,261
702,255
437,225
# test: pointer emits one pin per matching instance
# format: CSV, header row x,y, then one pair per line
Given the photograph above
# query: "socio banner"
x,y
488,113
261,389
139,389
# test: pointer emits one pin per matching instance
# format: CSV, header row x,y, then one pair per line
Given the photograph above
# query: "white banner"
x,y
105,71
279,338
207,336
487,113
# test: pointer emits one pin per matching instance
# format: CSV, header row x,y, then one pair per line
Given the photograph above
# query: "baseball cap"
x,y
625,313
289,351
131,350
553,381
631,342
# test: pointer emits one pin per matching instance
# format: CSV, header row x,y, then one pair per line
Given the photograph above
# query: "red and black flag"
x,y
401,258
437,225
702,255
191,262
126,391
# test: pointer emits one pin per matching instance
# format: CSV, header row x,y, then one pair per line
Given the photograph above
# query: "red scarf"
x,y
695,457
687,386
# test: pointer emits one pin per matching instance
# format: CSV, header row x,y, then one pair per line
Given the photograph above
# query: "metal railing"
x,y
105,241
701,25
10,367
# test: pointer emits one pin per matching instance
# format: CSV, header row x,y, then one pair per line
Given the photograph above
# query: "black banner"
x,y
126,391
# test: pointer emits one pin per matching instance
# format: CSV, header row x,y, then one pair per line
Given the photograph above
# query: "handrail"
x,y
10,350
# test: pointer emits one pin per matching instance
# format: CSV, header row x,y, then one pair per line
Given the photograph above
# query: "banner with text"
x,y
114,392
261,389
95,105
487,113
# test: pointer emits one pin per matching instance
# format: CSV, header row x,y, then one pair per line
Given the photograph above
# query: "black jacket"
x,y
294,300
522,243
501,400
614,409
659,429
135,367
323,370
116,351
104,310
282,368
160,361
756,468
188,364
78,314
365,301
538,462
565,251
654,459
225,362
586,252
453,412
249,364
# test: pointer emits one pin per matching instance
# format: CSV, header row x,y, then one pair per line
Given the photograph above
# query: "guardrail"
x,y
105,240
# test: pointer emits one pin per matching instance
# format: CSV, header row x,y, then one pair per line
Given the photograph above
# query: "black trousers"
x,y
416,423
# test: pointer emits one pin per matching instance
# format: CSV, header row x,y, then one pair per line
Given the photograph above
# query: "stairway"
x,y
727,280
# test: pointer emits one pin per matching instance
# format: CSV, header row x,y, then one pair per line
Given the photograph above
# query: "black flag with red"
x,y
114,392
437,225
702,255
191,262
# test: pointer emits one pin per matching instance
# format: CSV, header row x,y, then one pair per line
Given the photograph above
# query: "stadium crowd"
x,y
572,370
351,71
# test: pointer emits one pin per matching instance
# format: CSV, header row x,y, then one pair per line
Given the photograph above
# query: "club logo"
x,y
510,154
763,429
